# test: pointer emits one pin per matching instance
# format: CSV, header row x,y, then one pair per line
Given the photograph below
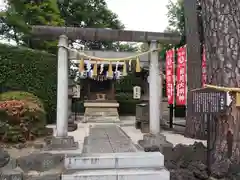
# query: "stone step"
x,y
114,160
116,174
101,119
102,114
101,109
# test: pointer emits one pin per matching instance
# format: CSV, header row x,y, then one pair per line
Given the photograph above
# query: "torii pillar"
x,y
154,141
61,140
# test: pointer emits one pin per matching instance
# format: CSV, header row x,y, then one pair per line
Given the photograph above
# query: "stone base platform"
x,y
101,111
114,160
61,143
133,165
116,174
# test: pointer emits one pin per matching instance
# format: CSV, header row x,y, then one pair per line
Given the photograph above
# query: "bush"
x,y
127,105
19,95
30,71
127,83
21,119
78,106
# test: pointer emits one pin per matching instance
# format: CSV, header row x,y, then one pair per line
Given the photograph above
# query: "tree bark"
x,y
221,21
195,126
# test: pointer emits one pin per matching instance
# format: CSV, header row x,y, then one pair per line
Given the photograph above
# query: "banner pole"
x,y
174,85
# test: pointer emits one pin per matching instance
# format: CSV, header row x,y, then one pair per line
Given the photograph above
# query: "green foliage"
x,y
17,19
22,119
20,15
88,13
30,71
126,84
126,47
176,18
176,21
127,105
92,14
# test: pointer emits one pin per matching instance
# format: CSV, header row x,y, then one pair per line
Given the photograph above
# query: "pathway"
x,y
109,153
107,139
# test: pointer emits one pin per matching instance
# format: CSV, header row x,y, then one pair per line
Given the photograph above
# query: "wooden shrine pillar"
x,y
112,91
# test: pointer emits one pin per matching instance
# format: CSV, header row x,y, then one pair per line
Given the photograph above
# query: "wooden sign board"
x,y
76,91
136,92
207,101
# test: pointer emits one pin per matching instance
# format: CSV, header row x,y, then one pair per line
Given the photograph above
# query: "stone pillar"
x,y
62,87
62,141
154,141
154,105
71,125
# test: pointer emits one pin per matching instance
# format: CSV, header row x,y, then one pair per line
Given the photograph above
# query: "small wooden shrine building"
x,y
98,73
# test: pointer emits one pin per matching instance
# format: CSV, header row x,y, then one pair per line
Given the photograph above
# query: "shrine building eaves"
x,y
100,34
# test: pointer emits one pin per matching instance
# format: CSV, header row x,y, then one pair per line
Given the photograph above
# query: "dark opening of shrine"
x,y
99,86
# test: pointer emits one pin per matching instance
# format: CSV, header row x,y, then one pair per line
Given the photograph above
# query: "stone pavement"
x,y
107,139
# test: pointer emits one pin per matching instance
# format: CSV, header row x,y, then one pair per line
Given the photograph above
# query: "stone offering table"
x,y
101,111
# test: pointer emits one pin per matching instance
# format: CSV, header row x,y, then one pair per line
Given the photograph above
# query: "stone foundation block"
x,y
61,143
47,175
40,161
152,142
144,127
72,127
11,174
115,160
113,174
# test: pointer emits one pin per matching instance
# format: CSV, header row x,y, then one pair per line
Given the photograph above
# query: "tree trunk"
x,y
221,20
195,126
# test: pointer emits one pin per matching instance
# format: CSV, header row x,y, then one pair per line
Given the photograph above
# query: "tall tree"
x,y
17,19
176,19
91,14
20,15
222,38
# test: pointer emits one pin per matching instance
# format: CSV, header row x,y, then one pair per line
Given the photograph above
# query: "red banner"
x,y
204,67
170,75
181,96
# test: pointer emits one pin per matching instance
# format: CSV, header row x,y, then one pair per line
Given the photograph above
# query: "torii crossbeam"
x,y
100,34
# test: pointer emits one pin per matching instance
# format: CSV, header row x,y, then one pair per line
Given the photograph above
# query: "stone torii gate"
x,y
61,140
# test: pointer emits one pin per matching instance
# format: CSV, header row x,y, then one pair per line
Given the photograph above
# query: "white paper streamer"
x,y
130,65
89,67
101,68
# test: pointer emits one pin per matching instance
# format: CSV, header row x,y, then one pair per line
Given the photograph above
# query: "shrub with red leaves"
x,y
20,120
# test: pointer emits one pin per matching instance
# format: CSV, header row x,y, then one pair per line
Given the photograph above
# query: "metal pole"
x,y
208,118
171,115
